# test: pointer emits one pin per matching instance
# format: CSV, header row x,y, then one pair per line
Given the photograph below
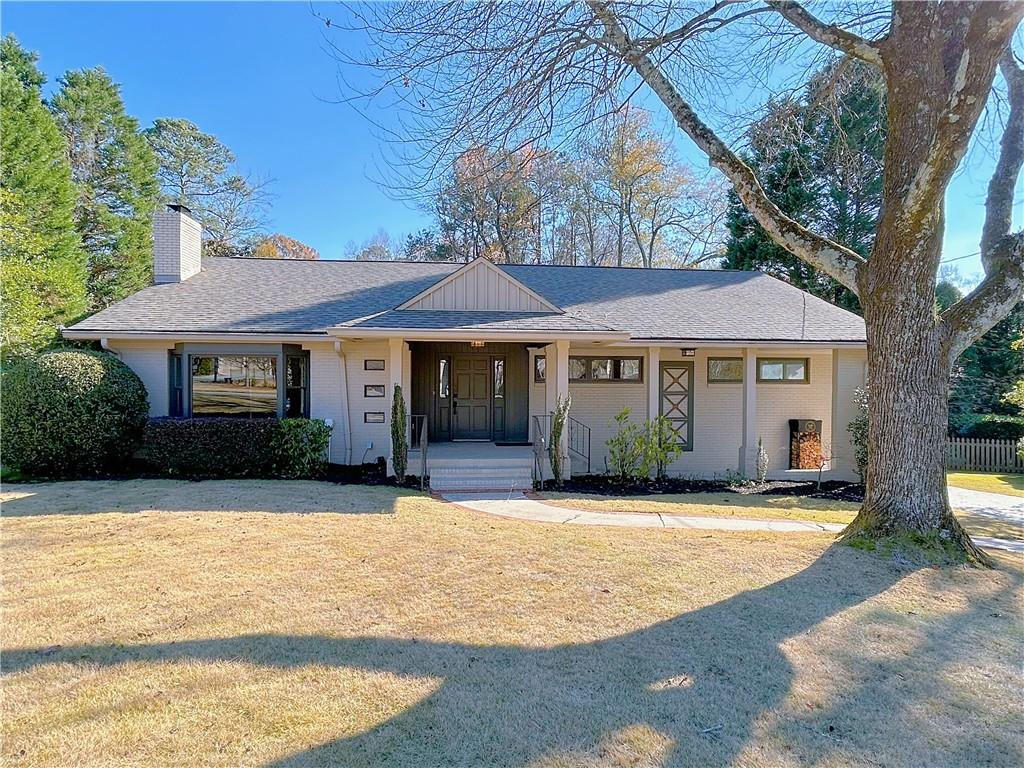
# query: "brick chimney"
x,y
177,244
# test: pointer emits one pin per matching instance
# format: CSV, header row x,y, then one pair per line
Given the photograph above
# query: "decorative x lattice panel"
x,y
675,399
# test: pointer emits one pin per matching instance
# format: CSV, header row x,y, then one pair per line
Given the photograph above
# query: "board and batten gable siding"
x,y
149,361
482,286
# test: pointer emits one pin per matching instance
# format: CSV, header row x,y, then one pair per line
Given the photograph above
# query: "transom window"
x,y
788,370
606,369
725,369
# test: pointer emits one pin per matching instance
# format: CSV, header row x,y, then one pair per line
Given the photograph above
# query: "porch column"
x,y
748,453
396,377
653,382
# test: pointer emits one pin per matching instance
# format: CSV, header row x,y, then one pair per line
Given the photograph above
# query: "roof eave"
x,y
187,336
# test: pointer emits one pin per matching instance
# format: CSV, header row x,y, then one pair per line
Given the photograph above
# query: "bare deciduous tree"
x,y
505,75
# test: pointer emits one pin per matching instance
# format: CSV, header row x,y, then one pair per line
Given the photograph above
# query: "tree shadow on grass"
x,y
90,497
701,680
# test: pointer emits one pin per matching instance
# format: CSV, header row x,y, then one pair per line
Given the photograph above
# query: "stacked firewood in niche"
x,y
804,443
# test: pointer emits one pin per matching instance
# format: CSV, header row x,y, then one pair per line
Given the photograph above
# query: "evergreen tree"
x,y
114,170
820,160
42,267
195,170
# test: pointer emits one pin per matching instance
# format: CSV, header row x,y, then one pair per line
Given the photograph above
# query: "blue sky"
x,y
257,76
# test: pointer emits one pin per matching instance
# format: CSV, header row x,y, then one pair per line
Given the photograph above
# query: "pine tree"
x,y
42,266
820,160
114,170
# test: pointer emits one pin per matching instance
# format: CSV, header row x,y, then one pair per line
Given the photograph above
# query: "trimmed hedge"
x,y
994,427
207,448
71,413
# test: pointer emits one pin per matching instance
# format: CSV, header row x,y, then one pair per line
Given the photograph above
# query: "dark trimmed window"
x,y
723,370
602,369
373,365
296,393
784,370
540,369
373,390
176,406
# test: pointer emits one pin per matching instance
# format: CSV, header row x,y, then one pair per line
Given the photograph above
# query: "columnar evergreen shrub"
x,y
399,440
71,413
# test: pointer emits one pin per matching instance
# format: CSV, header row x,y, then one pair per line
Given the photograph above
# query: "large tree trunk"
x,y
909,372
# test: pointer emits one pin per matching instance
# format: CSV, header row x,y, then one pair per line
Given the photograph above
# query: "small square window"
x,y
373,365
540,368
373,390
725,369
373,417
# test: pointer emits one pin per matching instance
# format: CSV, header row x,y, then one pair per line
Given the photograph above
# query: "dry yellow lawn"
x,y
991,482
272,623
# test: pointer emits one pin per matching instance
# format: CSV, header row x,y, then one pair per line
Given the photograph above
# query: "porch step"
x,y
480,478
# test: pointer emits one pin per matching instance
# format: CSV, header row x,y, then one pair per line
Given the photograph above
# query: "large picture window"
x,y
235,385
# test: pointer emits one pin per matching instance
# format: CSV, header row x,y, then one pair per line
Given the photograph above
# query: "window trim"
x,y
724,381
382,388
375,361
588,369
375,419
784,360
281,352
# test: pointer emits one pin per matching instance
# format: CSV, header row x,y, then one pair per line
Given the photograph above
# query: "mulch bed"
x,y
604,485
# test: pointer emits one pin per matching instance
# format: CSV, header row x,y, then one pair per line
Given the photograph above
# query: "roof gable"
x,y
479,286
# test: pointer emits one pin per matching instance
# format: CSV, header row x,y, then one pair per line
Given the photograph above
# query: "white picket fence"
x,y
976,455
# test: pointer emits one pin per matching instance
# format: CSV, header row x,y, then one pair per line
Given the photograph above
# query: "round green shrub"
x,y
70,413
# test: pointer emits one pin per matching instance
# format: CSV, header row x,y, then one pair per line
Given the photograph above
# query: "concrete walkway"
x,y
519,507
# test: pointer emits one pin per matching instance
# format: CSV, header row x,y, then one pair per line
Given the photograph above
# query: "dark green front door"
x,y
471,397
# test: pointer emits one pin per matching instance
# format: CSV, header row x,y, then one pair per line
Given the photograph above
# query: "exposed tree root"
x,y
947,544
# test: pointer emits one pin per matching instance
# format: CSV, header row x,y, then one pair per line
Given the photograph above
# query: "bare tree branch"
x,y
1002,253
828,34
836,260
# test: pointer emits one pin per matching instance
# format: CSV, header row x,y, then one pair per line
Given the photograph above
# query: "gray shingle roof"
x,y
436,319
283,296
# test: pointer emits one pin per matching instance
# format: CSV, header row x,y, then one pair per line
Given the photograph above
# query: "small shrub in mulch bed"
x,y
606,485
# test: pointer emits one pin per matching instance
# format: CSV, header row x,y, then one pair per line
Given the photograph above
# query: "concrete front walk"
x,y
518,506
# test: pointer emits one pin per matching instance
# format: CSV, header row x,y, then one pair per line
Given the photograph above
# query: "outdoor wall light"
x,y
688,352
477,343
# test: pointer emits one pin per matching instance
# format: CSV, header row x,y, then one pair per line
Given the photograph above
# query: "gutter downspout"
x,y
343,365
105,346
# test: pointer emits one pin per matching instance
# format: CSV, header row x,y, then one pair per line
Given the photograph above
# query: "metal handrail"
x,y
579,436
579,440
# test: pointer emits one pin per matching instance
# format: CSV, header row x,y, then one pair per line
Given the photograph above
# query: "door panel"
x,y
472,398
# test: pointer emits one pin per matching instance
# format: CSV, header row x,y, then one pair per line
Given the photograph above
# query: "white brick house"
x,y
482,351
